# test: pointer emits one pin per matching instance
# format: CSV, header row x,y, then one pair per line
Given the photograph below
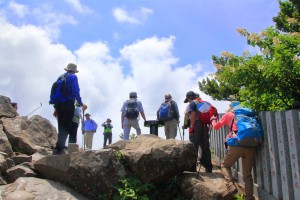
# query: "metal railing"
x,y
277,170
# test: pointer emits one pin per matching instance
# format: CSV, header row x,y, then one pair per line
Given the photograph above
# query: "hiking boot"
x,y
208,170
57,152
231,190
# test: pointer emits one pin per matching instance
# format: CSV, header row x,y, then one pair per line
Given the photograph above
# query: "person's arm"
x,y
176,111
226,119
122,119
141,109
143,115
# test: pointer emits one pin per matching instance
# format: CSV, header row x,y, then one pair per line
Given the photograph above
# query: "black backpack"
x,y
131,109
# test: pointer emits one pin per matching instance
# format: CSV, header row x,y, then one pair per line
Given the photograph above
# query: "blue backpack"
x,y
166,111
250,132
59,91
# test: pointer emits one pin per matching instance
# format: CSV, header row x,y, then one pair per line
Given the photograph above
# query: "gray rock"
x,y
6,109
28,136
39,189
21,159
5,146
148,157
18,171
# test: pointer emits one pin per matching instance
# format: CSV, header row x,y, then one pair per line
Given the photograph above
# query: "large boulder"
x,y
35,188
28,136
4,143
154,159
6,109
149,158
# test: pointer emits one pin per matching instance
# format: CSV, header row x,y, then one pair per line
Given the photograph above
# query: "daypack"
x,y
59,90
206,111
131,109
250,132
166,111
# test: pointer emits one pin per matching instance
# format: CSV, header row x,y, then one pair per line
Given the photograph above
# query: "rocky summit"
x,y
150,166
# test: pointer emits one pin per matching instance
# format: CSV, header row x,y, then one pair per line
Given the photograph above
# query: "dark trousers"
x,y
73,133
107,136
65,114
200,138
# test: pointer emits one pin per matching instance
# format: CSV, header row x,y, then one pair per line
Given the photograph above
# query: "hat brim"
x,y
186,100
76,71
87,115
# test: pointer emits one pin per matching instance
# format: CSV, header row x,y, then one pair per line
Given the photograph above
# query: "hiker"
x,y
187,112
90,127
14,105
75,123
234,153
130,115
64,109
169,114
198,132
107,131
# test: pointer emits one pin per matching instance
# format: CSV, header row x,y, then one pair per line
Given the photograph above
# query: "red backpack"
x,y
205,110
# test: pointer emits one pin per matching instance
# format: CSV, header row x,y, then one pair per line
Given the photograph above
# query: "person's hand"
x,y
84,107
191,130
55,113
185,126
213,118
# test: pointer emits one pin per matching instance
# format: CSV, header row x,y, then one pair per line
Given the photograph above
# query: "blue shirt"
x,y
90,125
73,88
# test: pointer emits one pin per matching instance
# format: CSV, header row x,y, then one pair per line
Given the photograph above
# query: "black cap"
x,y
190,94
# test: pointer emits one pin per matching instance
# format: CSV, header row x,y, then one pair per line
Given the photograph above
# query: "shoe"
x,y
231,190
57,152
208,170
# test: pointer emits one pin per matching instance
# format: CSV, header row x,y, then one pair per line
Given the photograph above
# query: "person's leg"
x,y
73,133
88,139
233,154
205,160
109,138
248,160
136,126
65,114
126,129
173,129
167,129
105,139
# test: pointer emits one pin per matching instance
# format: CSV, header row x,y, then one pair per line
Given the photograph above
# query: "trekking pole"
x,y
82,129
35,109
179,132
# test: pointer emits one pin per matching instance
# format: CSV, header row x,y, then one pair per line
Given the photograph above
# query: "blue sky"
x,y
152,47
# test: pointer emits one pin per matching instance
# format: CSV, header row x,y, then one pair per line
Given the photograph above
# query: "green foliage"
x,y
132,136
119,155
268,80
288,19
239,196
133,188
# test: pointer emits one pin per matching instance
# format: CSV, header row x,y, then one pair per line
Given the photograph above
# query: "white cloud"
x,y
76,4
31,62
51,21
136,17
18,9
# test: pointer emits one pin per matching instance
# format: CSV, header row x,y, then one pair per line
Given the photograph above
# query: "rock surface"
x,y
39,189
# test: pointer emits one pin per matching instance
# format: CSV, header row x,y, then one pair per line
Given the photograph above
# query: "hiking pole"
x,y
82,129
35,109
179,132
